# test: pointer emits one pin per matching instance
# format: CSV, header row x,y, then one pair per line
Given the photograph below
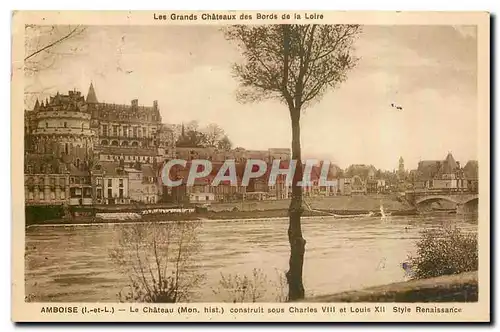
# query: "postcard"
x,y
246,166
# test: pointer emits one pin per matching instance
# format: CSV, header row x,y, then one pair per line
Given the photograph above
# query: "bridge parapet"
x,y
458,197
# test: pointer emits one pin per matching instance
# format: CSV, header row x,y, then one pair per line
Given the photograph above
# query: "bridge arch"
x,y
435,198
471,199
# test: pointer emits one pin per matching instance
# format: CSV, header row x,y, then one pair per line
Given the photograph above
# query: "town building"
x,y
116,182
344,186
46,181
442,175
471,175
80,184
362,179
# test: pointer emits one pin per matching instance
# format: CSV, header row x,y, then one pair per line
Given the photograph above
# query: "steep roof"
x,y
112,169
91,96
471,170
44,164
148,171
449,165
76,171
428,169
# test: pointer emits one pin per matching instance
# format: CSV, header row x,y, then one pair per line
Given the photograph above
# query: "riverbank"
x,y
451,288
356,203
334,206
208,215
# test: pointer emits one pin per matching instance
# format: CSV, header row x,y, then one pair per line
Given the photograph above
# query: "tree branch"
x,y
71,33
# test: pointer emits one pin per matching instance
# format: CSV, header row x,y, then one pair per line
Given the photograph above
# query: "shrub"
x,y
239,288
444,251
158,259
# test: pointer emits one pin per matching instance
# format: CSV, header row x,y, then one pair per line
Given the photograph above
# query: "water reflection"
x,y
72,264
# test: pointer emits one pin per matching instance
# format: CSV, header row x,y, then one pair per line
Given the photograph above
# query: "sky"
x,y
431,71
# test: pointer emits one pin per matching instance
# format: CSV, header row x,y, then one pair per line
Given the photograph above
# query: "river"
x,y
72,263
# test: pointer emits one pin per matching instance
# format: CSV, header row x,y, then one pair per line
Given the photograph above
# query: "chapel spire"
x,y
91,96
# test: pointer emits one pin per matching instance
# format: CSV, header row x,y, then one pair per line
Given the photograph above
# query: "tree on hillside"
x,y
225,143
190,136
297,65
212,134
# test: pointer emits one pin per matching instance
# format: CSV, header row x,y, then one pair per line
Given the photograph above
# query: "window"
x,y
115,130
121,193
46,125
134,131
125,131
65,125
121,182
110,193
83,126
99,193
110,183
105,130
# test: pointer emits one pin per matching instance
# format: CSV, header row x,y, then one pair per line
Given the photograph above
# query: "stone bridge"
x,y
457,197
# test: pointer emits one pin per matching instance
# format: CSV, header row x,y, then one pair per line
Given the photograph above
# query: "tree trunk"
x,y
297,242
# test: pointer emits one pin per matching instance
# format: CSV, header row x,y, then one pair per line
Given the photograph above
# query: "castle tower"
x,y
62,127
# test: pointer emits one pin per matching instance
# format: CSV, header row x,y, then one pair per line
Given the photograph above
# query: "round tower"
x,y
62,126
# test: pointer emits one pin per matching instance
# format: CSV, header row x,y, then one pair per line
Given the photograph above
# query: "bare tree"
x,y
212,134
158,259
295,64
